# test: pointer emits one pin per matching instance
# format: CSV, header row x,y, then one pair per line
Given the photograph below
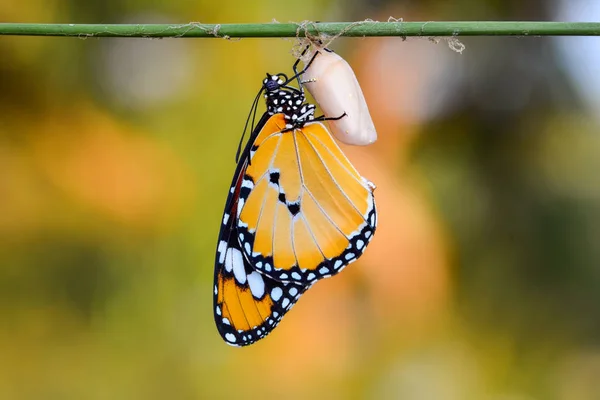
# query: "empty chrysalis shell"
x,y
332,83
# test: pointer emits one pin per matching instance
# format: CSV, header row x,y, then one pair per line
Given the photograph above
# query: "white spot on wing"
x,y
240,206
221,249
285,302
293,291
247,183
257,284
276,294
359,244
296,275
229,260
225,218
230,337
238,266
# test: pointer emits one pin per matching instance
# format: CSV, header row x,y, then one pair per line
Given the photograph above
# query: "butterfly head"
x,y
287,100
272,83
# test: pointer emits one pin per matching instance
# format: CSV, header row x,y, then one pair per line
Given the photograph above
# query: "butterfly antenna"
x,y
252,114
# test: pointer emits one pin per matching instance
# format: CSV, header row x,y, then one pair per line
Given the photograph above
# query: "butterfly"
x,y
297,211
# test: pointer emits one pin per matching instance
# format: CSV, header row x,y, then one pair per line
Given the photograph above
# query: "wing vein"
x,y
351,173
299,195
312,235
273,235
325,214
262,207
340,188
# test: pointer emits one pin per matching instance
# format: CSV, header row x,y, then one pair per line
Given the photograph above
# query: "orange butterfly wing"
x,y
305,212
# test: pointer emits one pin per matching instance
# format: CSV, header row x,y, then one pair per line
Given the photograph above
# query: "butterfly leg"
x,y
324,118
295,68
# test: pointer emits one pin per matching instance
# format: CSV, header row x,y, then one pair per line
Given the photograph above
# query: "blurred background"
x,y
482,282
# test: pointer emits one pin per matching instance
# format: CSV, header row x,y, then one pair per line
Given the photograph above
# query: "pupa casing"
x,y
333,84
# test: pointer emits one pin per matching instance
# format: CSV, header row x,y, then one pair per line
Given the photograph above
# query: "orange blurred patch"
x,y
110,167
313,343
405,265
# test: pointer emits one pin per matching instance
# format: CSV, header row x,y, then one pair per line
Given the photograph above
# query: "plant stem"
x,y
355,29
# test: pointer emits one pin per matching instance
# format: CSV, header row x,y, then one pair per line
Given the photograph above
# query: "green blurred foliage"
x,y
115,161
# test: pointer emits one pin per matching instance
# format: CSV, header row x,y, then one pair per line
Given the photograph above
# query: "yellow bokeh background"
x,y
482,281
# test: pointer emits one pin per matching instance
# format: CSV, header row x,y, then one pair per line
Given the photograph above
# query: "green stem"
x,y
366,28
